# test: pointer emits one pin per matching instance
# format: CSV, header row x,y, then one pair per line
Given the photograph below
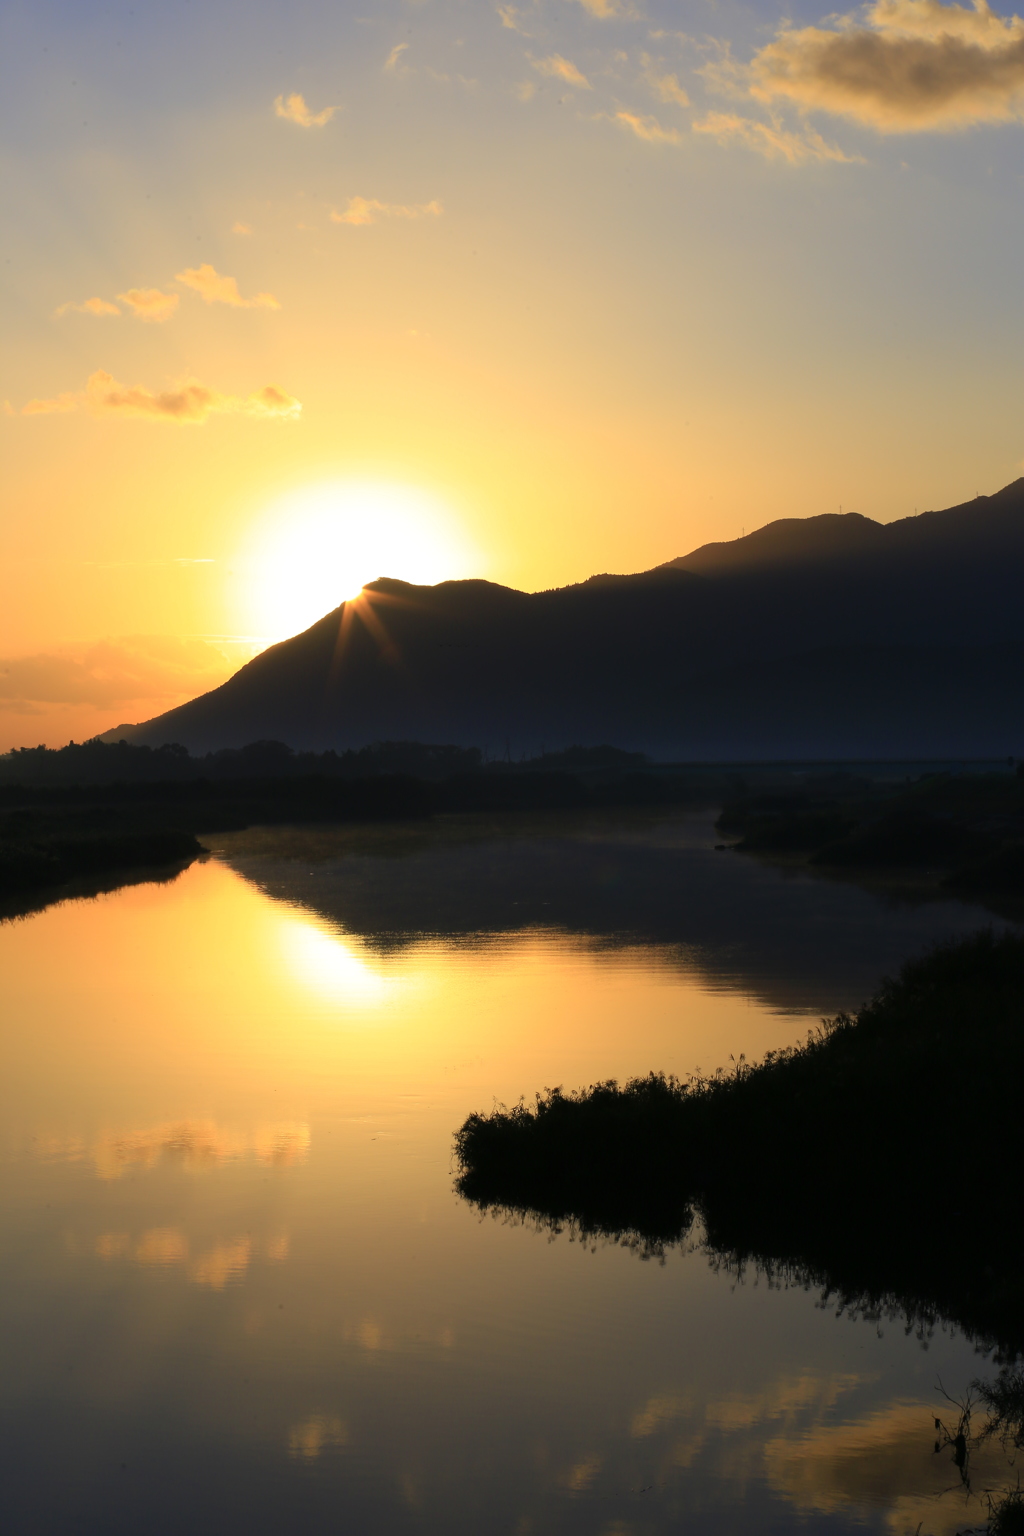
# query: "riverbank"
x,y
51,834
962,833
879,1159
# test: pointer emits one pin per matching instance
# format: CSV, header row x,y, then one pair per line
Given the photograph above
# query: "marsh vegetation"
x,y
878,1159
961,831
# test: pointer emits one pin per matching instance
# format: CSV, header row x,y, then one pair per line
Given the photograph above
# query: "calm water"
x,y
239,1294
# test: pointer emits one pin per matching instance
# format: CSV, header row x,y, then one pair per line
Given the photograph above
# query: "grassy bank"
x,y
964,832
880,1159
48,859
50,837
53,833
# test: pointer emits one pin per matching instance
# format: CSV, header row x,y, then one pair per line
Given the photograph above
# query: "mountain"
x,y
830,636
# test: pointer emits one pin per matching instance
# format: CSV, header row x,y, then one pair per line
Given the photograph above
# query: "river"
x,y
239,1291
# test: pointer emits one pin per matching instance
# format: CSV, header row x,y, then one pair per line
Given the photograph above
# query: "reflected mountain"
x,y
611,881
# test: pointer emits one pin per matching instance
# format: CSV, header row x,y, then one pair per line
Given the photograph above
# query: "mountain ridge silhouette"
x,y
832,636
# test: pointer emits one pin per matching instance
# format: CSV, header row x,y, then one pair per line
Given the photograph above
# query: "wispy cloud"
x,y
648,128
189,403
238,228
512,18
293,109
215,288
110,672
150,304
770,140
392,60
667,88
915,65
560,68
604,10
367,210
88,307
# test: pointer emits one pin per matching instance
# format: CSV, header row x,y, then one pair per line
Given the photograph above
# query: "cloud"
x,y
723,74
526,90
88,307
115,671
648,128
915,65
189,403
217,289
319,1433
58,406
150,304
367,210
238,228
770,140
602,9
510,17
391,62
294,110
562,69
668,89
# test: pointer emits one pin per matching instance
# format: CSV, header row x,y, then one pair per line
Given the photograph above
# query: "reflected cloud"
x,y
369,1334
161,1246
215,1266
658,1412
319,1433
196,1145
222,1263
882,1461
582,1474
372,1335
278,1248
780,1399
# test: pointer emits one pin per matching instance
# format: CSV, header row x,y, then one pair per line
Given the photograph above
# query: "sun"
x,y
316,547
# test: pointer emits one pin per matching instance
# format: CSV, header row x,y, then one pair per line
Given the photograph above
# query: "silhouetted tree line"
x,y
93,810
100,762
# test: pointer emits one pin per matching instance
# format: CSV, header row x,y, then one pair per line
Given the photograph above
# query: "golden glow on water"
x,y
328,966
228,1167
202,1004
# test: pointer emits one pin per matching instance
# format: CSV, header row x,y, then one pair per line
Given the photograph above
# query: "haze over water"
x,y
241,1294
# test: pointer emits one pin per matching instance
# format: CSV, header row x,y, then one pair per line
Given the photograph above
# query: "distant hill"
x,y
829,636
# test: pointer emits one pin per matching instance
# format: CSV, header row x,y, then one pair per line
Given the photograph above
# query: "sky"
x,y
298,295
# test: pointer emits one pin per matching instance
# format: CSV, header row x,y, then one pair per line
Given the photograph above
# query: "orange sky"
x,y
523,292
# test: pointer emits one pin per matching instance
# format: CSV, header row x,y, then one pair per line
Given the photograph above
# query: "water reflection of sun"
x,y
326,964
